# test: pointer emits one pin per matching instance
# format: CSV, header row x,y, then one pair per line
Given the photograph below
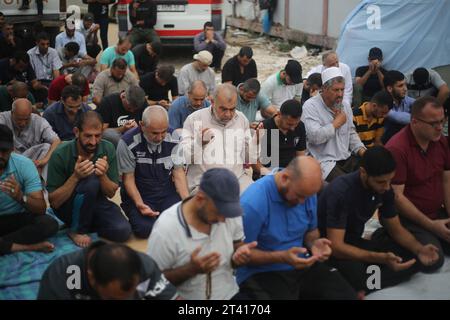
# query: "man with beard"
x,y
34,138
280,215
71,35
369,118
217,137
62,114
197,242
344,207
183,106
284,85
24,226
121,112
153,177
330,132
197,70
400,114
114,80
422,180
82,175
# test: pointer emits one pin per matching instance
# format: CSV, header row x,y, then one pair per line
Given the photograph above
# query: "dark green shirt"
x,y
63,159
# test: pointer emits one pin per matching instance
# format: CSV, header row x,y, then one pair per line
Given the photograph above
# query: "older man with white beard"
x,y
330,132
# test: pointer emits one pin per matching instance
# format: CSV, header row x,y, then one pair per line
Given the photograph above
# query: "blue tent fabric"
x,y
412,34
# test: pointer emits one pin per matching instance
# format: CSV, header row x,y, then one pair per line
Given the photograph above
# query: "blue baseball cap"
x,y
222,186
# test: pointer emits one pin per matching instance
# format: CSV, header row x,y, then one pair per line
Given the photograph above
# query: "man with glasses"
x,y
422,179
63,114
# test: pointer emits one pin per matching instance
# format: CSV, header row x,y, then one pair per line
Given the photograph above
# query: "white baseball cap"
x,y
204,57
331,73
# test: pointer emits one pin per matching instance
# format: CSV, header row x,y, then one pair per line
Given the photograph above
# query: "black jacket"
x,y
146,11
99,10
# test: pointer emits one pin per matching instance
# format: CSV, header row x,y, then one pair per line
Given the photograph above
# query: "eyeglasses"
x,y
435,124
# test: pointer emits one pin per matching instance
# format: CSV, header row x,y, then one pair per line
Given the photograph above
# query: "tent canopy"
x,y
412,34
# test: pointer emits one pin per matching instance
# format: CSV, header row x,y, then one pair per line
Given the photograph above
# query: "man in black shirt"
x,y
105,271
9,43
290,138
121,112
240,68
143,18
344,207
158,84
371,77
100,10
147,56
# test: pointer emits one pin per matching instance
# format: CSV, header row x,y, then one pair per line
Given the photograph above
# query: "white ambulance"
x,y
180,20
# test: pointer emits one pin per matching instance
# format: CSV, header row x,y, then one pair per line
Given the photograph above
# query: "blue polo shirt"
x,y
56,116
275,225
26,175
180,110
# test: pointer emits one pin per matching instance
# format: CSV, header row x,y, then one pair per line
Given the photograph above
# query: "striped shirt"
x,y
367,131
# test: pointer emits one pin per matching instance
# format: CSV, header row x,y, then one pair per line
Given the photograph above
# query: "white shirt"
x,y
62,39
188,74
172,242
227,149
325,143
345,69
278,92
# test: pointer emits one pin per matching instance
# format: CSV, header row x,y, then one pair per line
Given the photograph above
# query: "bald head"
x,y
21,112
21,106
301,179
305,168
155,114
154,124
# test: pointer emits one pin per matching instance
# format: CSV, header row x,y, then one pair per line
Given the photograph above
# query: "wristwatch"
x,y
24,200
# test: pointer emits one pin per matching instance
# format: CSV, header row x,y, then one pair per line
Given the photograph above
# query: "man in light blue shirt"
x,y
183,106
400,115
121,50
251,100
280,214
70,35
23,223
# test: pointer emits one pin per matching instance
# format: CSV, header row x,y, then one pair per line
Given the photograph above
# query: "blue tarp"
x,y
411,33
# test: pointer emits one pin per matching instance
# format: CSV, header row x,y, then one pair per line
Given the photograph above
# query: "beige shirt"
x,y
104,84
228,148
